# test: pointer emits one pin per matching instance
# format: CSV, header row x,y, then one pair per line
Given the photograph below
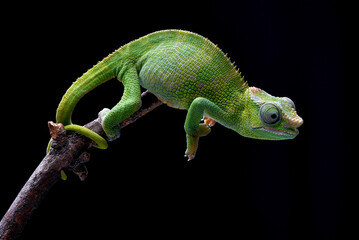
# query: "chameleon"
x,y
185,71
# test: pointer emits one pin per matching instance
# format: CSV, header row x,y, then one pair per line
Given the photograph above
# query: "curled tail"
x,y
100,73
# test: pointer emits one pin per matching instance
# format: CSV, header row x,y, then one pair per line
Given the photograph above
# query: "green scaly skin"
x,y
185,71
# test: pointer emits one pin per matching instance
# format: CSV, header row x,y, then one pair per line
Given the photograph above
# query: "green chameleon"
x,y
185,71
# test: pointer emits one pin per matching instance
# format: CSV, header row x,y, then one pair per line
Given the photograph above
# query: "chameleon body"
x,y
185,71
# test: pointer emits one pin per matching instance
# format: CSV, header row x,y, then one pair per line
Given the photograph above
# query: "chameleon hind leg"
x,y
129,104
194,129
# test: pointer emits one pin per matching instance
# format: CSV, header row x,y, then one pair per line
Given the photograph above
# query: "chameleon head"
x,y
268,117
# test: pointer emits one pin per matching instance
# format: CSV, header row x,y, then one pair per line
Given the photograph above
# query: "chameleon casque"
x,y
185,71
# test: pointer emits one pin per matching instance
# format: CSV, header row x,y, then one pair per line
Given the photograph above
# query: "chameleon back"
x,y
185,66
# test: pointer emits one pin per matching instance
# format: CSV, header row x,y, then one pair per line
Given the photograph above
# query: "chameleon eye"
x,y
269,114
290,102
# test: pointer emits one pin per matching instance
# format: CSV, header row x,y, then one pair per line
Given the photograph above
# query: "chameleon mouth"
x,y
291,133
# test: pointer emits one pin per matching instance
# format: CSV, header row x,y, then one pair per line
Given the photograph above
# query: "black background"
x,y
142,186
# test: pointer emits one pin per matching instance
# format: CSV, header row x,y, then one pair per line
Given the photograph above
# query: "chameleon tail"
x,y
100,73
101,143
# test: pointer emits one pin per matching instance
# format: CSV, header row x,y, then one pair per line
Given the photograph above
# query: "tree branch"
x,y
67,151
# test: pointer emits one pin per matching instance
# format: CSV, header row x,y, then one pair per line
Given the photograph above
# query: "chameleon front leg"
x,y
199,107
129,104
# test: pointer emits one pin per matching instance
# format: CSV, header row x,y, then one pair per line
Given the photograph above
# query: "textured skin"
x,y
186,71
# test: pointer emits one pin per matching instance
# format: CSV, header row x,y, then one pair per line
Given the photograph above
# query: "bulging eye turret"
x,y
269,114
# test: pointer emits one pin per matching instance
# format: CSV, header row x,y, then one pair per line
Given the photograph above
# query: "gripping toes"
x,y
192,140
192,145
113,132
103,113
209,121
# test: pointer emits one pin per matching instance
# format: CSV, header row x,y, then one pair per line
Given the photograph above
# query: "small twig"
x,y
140,114
67,151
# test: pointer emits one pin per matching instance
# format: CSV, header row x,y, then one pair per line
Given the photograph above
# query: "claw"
x,y
209,121
190,156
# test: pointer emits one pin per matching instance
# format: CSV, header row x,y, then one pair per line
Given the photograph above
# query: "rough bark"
x,y
68,151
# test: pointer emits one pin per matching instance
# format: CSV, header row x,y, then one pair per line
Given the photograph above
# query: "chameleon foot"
x,y
209,121
192,145
192,140
112,133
